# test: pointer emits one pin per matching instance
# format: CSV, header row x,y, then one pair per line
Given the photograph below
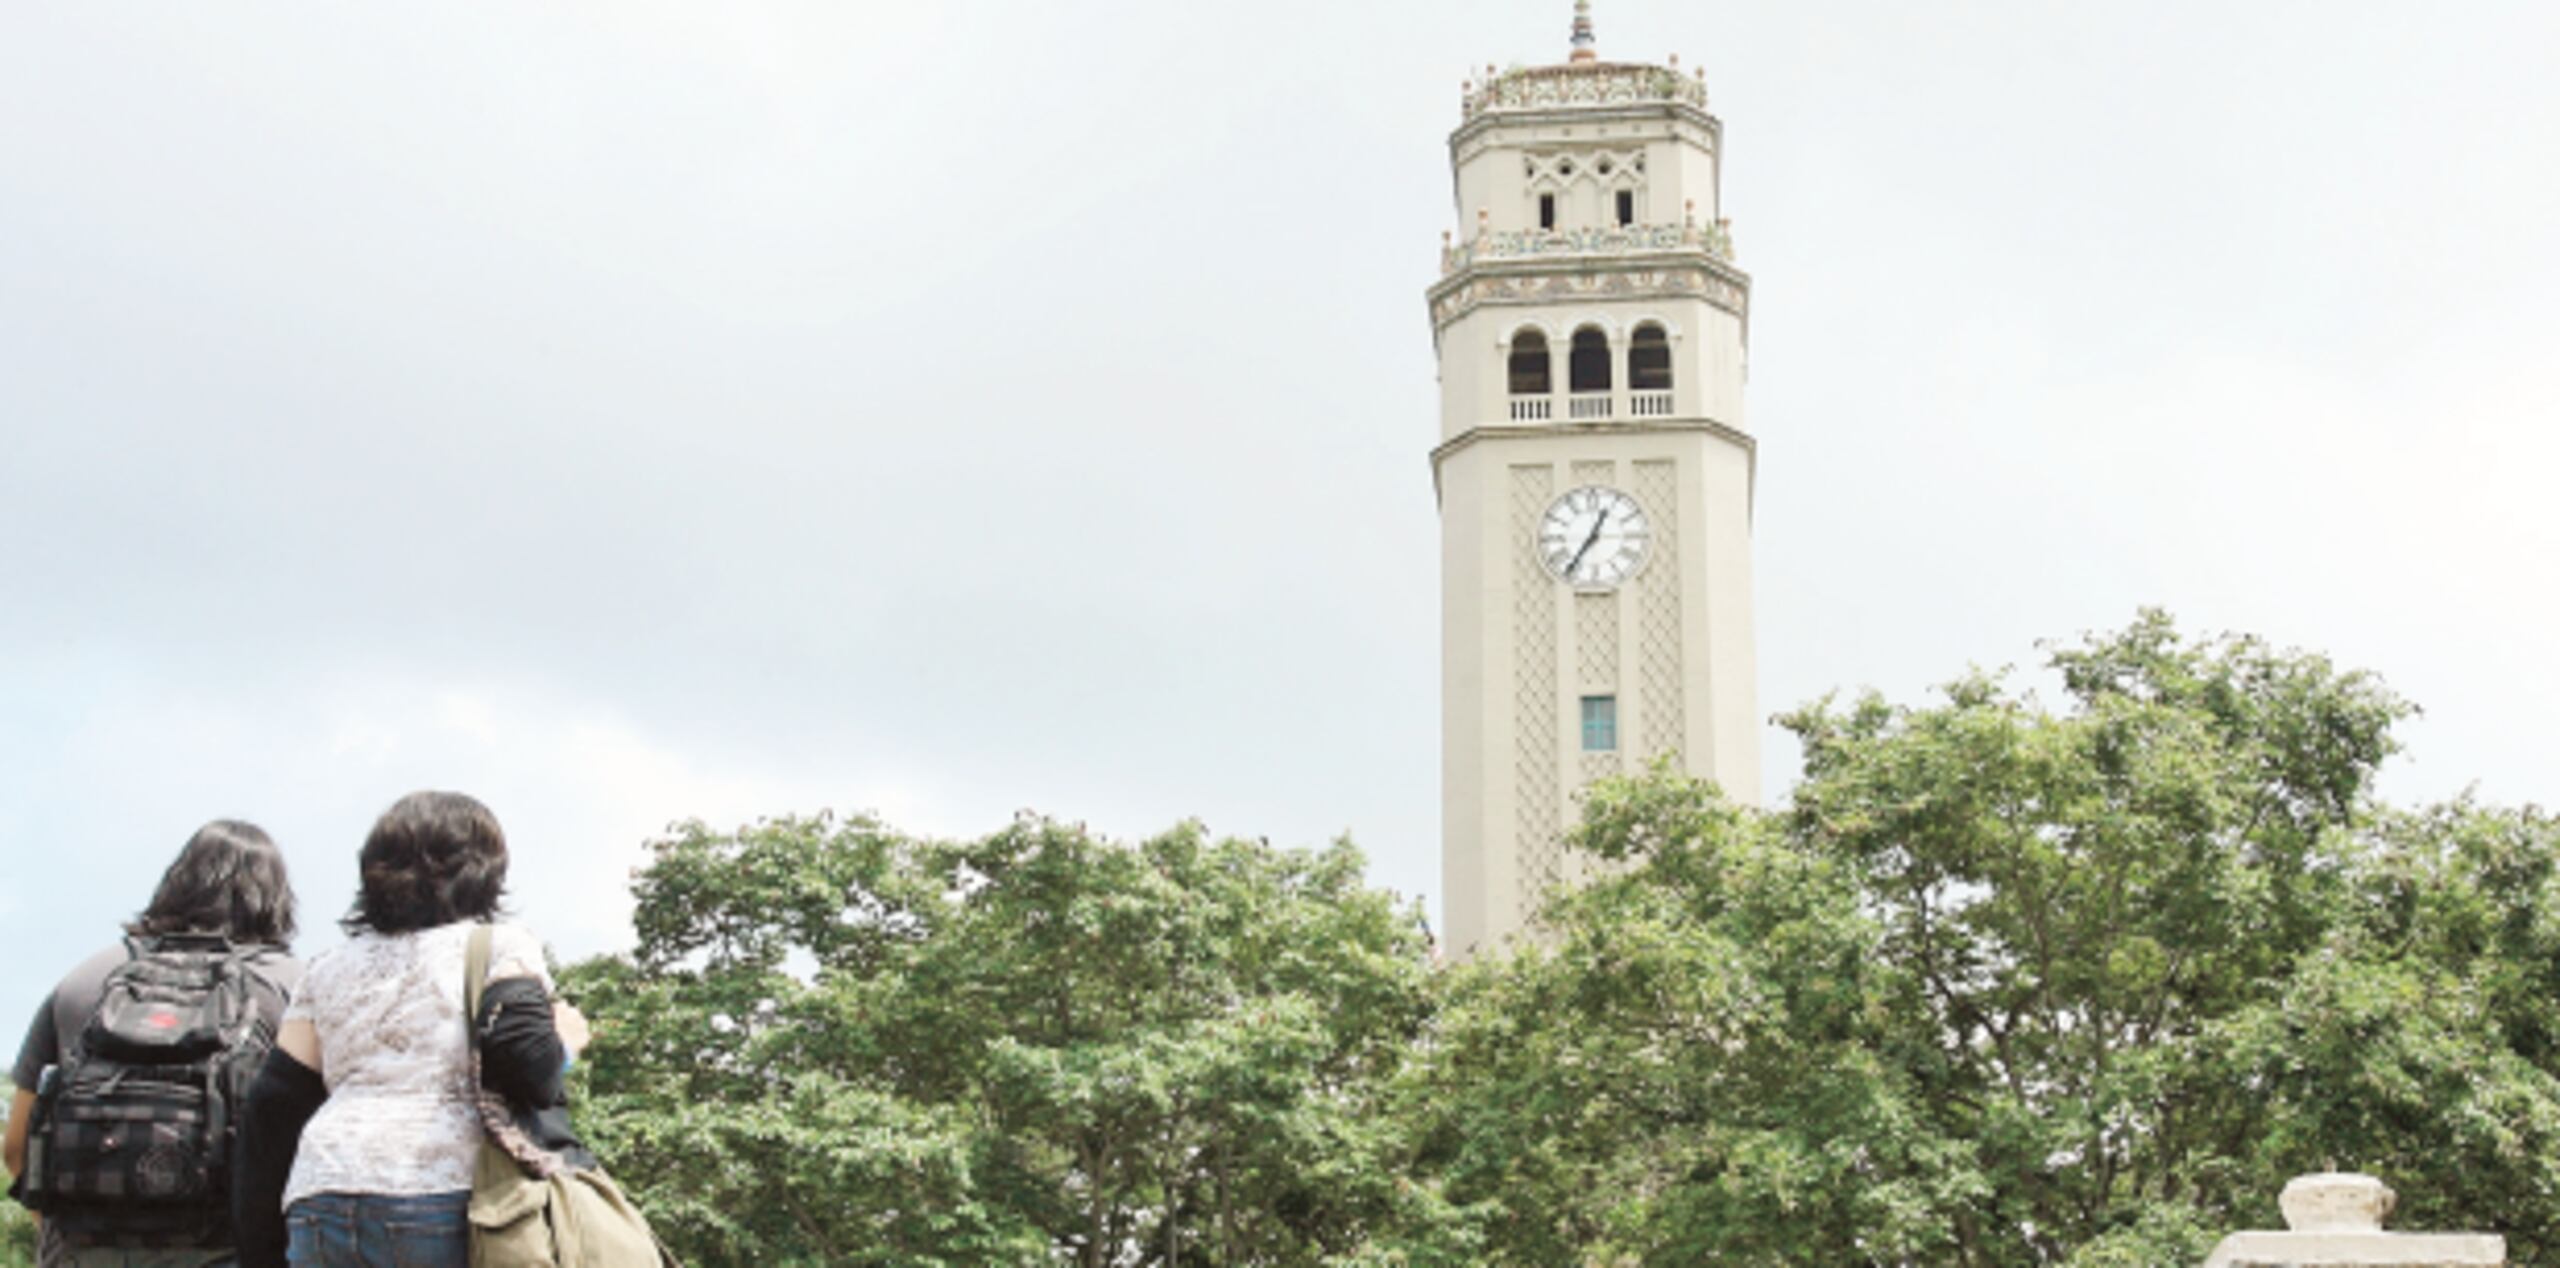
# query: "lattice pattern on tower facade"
x,y
1595,642
1660,704
1598,766
1537,826
1595,638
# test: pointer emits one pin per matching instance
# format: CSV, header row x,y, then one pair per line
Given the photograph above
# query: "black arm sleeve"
x,y
281,1099
521,1060
520,1053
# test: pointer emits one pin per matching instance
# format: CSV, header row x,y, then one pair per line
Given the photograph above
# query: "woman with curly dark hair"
x,y
363,1128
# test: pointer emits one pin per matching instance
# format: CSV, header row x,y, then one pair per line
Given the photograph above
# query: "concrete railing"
x,y
1581,84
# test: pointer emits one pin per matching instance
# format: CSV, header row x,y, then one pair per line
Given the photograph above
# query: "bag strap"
x,y
475,974
474,979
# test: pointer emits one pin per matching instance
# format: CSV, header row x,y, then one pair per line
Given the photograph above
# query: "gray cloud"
x,y
630,413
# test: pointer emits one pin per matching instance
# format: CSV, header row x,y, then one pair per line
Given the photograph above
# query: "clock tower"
x,y
1593,468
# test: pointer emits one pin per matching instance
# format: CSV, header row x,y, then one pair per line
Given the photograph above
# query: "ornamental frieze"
x,y
1721,290
1514,244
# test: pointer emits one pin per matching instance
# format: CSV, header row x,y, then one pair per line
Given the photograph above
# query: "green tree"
x,y
2016,984
2419,1042
840,1044
1689,1069
17,1227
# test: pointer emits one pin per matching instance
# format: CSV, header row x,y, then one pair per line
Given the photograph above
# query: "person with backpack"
x,y
364,1127
132,1075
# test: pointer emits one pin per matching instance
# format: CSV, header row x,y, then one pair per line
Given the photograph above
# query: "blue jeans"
x,y
366,1230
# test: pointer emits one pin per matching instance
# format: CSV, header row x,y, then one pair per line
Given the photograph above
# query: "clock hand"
x,y
1587,542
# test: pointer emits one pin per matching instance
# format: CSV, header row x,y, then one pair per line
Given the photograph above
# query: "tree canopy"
x,y
2008,980
2018,983
839,1044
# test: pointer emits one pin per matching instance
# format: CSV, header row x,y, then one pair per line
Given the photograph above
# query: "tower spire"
x,y
1582,41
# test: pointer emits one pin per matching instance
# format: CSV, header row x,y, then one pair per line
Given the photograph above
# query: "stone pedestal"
x,y
2334,1220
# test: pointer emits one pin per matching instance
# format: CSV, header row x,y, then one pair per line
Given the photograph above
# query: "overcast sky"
x,y
632,412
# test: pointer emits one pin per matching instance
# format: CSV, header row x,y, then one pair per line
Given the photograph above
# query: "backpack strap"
x,y
69,1051
255,965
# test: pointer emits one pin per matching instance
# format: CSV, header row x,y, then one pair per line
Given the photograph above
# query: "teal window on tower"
x,y
1599,724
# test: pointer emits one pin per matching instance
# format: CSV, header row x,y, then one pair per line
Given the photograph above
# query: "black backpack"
x,y
131,1144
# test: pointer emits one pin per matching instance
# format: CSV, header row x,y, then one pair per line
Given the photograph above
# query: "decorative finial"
x,y
1582,42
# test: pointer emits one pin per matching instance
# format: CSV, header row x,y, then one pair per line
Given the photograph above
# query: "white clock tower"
x,y
1594,471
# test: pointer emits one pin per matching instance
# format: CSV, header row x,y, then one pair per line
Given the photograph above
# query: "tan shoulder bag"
x,y
529,1207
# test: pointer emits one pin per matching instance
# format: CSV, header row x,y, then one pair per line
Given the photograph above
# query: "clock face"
x,y
1594,537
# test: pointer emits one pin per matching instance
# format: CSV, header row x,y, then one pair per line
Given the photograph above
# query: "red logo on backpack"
x,y
162,1020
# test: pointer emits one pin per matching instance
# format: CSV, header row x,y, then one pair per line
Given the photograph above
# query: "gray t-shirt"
x,y
66,1012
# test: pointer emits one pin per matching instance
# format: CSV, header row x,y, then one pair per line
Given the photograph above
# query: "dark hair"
x,y
228,879
433,858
